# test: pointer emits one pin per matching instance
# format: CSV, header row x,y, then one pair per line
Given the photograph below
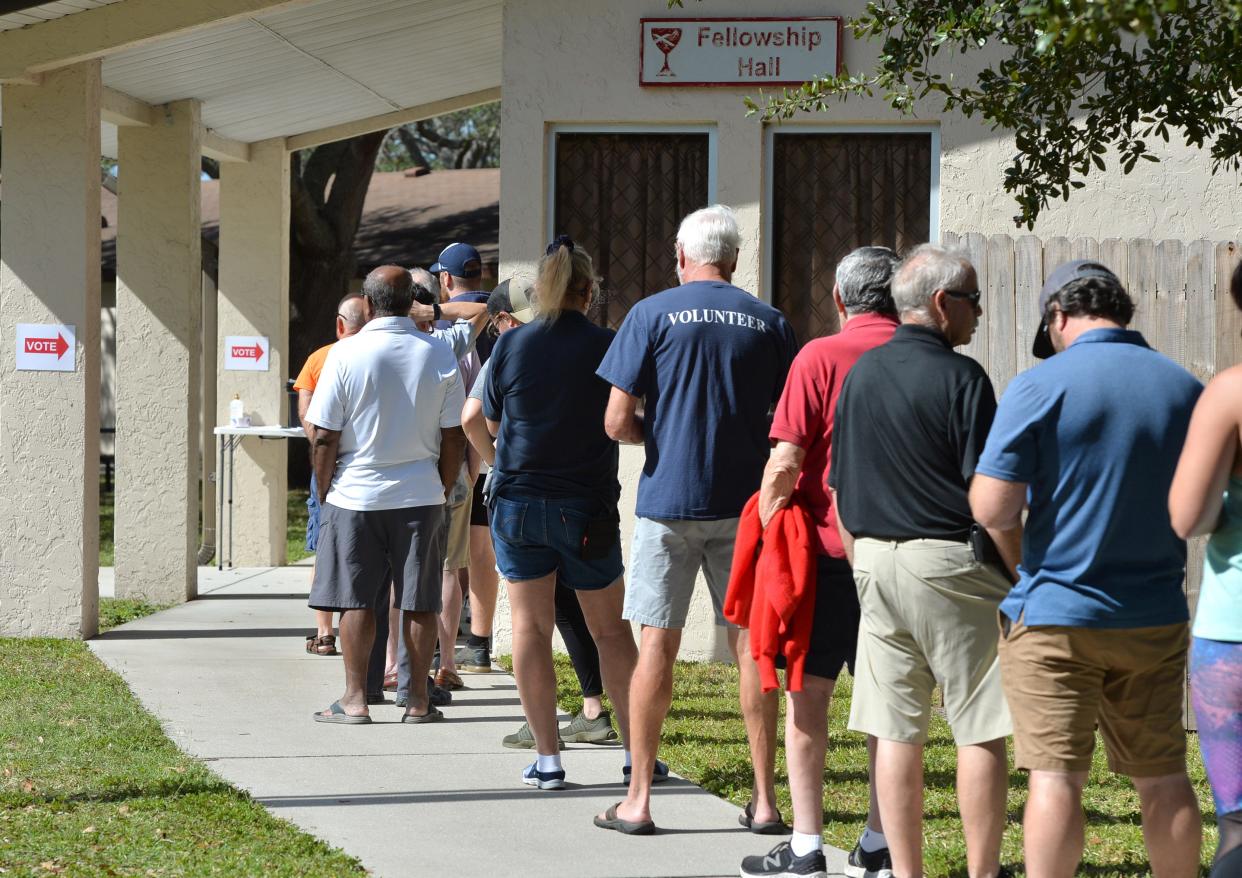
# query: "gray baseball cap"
x,y
1062,276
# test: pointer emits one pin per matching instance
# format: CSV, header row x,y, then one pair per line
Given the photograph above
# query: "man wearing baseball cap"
x,y
1095,631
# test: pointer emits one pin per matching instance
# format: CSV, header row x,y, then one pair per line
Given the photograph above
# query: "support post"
x,y
254,301
49,420
159,290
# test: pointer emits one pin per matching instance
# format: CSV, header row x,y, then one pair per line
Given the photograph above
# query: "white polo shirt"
x,y
389,390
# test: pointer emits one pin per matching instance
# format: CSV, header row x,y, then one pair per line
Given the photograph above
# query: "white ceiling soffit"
x,y
318,65
48,11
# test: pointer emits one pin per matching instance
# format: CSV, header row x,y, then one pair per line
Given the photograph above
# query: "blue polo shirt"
x,y
710,361
1095,432
542,388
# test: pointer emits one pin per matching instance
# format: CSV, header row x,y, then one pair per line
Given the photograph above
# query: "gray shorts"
x,y
665,559
359,553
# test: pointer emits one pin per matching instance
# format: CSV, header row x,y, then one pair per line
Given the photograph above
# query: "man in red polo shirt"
x,y
802,435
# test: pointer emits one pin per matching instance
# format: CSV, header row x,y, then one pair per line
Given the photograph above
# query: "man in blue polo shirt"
x,y
709,360
1095,629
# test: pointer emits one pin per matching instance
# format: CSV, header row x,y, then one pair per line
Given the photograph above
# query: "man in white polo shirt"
x,y
388,444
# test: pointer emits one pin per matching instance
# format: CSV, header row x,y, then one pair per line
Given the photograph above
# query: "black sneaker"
x,y
781,862
474,659
861,863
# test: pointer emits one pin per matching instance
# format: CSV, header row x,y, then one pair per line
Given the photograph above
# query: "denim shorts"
x,y
312,516
535,537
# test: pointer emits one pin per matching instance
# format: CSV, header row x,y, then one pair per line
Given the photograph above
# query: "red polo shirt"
x,y
804,413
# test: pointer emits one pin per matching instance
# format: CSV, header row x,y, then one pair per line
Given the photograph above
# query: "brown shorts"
x,y
1061,681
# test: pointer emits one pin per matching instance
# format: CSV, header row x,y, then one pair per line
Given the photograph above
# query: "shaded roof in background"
x,y
405,220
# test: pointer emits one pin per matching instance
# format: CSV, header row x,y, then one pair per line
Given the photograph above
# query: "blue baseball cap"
x,y
459,260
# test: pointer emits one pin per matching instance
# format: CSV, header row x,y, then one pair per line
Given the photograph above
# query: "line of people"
x,y
1024,558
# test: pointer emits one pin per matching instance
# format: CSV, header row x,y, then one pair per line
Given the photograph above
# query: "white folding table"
x,y
229,437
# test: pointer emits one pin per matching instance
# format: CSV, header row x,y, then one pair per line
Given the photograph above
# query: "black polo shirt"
x,y
910,425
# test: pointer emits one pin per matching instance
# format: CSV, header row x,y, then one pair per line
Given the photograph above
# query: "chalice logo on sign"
x,y
666,40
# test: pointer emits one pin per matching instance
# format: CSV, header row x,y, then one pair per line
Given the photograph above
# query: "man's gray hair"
x,y
709,236
927,268
429,283
864,278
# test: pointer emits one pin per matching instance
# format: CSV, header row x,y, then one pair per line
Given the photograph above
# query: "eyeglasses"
x,y
972,296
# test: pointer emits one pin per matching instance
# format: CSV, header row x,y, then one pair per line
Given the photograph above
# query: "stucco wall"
x,y
579,64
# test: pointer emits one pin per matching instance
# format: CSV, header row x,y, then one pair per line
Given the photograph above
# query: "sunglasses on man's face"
x,y
972,296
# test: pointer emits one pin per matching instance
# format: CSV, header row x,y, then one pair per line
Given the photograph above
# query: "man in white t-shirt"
x,y
388,446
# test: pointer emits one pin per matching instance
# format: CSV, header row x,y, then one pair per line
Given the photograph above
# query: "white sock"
x,y
803,843
872,841
548,763
628,760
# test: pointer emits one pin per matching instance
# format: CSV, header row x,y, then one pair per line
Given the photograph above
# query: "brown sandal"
x,y
317,645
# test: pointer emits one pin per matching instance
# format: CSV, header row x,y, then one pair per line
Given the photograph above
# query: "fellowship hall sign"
x,y
738,51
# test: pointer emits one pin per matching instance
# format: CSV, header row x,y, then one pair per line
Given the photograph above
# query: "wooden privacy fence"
x,y
1182,307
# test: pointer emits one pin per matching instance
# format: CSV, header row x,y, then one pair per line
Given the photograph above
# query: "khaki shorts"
x,y
1061,681
928,619
457,548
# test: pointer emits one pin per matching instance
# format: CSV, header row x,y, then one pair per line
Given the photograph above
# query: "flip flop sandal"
x,y
610,820
433,715
773,827
336,714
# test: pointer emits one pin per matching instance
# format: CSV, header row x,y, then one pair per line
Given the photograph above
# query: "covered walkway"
x,y
225,676
157,84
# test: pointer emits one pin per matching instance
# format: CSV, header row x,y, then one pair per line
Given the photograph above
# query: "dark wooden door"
x,y
621,196
832,193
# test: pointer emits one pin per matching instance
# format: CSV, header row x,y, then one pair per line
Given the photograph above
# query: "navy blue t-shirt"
x,y
542,388
710,360
1095,433
486,341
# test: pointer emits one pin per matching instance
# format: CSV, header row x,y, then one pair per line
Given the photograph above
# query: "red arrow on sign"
x,y
57,346
241,352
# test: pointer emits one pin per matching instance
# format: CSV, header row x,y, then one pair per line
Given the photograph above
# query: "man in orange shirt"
x,y
349,319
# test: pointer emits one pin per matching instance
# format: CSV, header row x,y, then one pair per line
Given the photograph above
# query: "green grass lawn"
x,y
705,741
90,786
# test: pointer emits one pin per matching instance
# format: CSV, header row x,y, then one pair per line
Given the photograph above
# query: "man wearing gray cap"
x,y
1095,630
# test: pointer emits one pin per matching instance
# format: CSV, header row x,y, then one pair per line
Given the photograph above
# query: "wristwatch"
x,y
435,310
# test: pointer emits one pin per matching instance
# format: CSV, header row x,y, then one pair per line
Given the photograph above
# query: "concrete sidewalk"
x,y
228,678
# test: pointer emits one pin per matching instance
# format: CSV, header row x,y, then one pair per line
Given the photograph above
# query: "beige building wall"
x,y
158,326
581,68
254,300
49,421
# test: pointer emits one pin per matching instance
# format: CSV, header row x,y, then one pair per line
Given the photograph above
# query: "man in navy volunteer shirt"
x,y
709,360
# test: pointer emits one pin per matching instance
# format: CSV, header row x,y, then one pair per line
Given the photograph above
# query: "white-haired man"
x,y
710,360
911,422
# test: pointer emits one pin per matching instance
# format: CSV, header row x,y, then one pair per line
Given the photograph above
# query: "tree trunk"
x,y
327,192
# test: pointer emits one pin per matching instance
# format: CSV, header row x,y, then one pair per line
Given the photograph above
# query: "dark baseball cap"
x,y
1061,277
459,260
514,296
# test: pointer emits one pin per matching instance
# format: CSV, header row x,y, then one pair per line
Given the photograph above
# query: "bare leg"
x,y
982,781
533,606
323,622
1172,828
806,745
614,638
450,619
483,581
874,823
394,631
420,643
899,788
357,636
1053,825
653,676
759,712
593,705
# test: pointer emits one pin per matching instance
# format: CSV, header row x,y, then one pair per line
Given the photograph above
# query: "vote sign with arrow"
x,y
246,353
45,347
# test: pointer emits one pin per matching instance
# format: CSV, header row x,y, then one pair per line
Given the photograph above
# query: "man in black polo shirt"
x,y
910,425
